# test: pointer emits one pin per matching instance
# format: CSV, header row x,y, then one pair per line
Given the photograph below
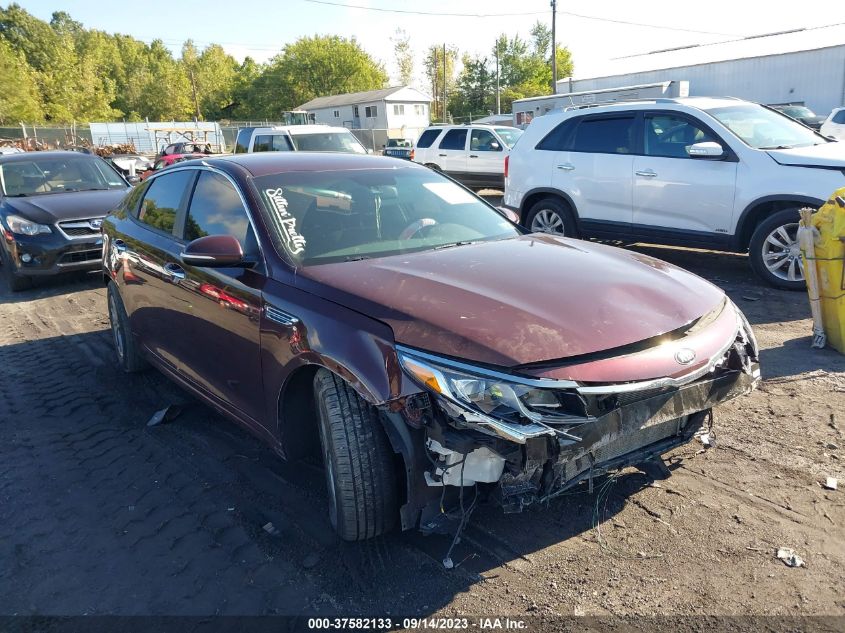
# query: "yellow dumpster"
x,y
828,258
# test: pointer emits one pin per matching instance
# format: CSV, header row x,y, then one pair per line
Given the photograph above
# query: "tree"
x,y
19,98
315,67
434,63
404,56
475,93
216,78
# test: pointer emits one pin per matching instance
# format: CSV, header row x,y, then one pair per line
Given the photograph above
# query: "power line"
x,y
503,15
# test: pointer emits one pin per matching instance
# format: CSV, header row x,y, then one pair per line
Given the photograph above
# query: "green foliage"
x,y
433,64
404,57
19,98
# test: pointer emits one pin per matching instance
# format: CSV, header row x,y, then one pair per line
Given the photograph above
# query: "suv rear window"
x,y
454,139
605,136
427,138
839,117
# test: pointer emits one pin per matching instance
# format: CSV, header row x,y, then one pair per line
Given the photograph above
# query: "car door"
x,y
674,192
220,307
451,155
596,171
486,157
149,250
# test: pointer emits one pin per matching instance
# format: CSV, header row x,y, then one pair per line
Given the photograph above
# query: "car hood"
x,y
523,300
49,208
824,155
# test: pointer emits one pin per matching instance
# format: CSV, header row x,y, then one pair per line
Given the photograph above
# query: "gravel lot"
x,y
100,514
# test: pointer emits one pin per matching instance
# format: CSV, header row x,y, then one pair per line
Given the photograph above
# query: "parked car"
x,y
471,154
371,311
800,113
721,174
51,207
186,147
834,125
130,166
398,148
301,138
168,161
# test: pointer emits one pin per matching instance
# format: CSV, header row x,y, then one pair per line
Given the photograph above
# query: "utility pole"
x,y
498,97
444,82
554,48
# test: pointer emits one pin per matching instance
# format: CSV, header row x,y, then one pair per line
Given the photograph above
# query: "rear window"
x,y
839,117
454,139
605,136
328,142
272,143
427,138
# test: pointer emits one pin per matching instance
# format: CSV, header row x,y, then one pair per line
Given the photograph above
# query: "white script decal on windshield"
x,y
293,240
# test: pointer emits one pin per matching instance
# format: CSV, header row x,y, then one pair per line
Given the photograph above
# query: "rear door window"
x,y
614,135
427,138
454,139
163,199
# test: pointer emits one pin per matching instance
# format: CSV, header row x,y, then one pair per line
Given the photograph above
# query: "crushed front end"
x,y
526,436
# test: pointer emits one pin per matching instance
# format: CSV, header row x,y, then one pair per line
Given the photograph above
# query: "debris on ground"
x,y
789,557
167,414
831,483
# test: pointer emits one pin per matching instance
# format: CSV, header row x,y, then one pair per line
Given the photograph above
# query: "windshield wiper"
x,y
355,258
451,244
779,147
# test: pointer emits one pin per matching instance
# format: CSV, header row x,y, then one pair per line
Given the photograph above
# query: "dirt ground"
x,y
100,514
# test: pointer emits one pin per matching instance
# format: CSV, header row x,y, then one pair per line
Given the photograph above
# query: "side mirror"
x,y
495,146
213,251
133,180
708,149
509,214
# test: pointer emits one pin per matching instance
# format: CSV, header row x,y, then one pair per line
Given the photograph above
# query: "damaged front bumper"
x,y
524,440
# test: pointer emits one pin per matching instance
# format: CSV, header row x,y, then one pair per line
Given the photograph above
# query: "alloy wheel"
x,y
117,331
548,221
782,254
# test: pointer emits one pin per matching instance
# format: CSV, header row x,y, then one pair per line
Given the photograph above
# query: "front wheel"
x,y
774,251
14,282
358,461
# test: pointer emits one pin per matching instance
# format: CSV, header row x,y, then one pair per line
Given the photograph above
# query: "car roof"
x,y
300,129
12,158
701,103
266,163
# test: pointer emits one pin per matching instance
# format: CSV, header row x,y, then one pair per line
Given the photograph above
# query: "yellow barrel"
x,y
829,259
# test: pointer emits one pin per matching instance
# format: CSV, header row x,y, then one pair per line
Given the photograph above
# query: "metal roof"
x,y
753,46
353,98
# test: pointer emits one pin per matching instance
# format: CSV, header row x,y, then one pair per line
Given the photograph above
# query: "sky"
x,y
594,32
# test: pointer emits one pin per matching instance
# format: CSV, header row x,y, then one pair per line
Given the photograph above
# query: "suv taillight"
x,y
507,160
412,155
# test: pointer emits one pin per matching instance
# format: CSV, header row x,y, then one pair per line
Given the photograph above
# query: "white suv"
x,y
720,174
297,138
834,125
474,155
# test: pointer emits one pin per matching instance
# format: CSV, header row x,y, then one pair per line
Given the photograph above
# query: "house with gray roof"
x,y
402,111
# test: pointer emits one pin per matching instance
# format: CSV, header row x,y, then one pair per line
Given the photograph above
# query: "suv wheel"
x,y
358,461
125,346
14,282
774,252
551,216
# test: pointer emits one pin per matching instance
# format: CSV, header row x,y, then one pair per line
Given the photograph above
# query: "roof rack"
x,y
621,102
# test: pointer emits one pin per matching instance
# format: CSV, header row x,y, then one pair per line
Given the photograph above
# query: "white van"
x,y
297,138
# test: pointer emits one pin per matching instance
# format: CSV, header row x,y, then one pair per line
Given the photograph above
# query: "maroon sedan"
x,y
397,324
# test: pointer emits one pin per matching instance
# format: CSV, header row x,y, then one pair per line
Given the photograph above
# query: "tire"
x,y
774,253
550,215
125,346
358,461
14,283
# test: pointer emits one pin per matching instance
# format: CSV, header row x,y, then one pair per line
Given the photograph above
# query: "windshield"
x,y
797,111
762,128
334,216
328,142
509,135
47,174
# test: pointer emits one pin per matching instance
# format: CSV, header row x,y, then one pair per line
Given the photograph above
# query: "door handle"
x,y
473,155
174,272
648,173
566,166
442,155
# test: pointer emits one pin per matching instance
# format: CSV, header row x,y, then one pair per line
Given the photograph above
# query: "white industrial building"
x,y
802,66
402,111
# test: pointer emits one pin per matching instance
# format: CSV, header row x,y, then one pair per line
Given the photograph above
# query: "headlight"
x,y
521,405
748,332
22,226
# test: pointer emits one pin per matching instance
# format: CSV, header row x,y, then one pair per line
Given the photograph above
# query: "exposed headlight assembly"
x,y
508,406
22,226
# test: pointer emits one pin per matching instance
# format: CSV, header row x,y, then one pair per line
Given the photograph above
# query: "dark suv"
x,y
372,311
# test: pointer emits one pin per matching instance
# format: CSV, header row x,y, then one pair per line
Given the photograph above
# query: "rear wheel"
x,y
125,346
774,252
358,461
549,215
14,282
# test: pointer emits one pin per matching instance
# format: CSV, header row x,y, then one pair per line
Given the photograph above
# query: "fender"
x,y
554,192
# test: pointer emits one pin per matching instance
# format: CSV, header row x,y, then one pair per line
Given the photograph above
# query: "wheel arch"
x,y
535,195
760,208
